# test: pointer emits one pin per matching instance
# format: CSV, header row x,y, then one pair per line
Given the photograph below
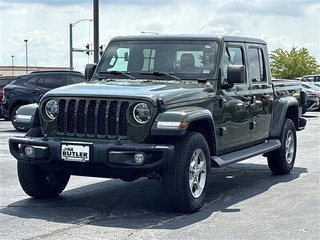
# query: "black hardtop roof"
x,y
188,37
311,75
49,71
55,71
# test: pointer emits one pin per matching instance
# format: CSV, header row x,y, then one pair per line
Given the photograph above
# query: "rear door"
x,y
261,92
45,83
235,104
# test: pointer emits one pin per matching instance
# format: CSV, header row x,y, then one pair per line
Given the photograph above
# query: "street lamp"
x,y
12,64
26,41
71,46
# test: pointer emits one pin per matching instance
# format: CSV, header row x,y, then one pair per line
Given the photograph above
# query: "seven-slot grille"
x,y
92,118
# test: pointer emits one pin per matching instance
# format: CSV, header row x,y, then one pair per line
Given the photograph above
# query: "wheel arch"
x,y
198,119
16,104
205,126
31,110
286,107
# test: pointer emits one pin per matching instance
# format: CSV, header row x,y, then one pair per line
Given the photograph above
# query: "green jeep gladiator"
x,y
163,107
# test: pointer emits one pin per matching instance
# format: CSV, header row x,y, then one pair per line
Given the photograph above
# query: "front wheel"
x,y
281,160
37,182
185,179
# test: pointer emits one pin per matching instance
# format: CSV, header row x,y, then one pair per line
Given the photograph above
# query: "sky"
x,y
45,24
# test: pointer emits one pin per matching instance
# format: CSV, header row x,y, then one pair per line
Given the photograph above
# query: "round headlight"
x,y
52,109
141,113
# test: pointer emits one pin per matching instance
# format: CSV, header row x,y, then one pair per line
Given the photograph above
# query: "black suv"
x,y
4,80
28,88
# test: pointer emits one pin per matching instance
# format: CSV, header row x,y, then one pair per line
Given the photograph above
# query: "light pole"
x,y
26,41
12,64
71,46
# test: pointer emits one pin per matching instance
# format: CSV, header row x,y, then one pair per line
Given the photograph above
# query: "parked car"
x,y
4,80
30,87
307,85
310,78
312,101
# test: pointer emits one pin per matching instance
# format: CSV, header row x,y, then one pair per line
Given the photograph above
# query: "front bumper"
x,y
312,105
105,159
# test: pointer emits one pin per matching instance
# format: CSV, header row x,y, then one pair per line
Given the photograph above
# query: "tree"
x,y
293,64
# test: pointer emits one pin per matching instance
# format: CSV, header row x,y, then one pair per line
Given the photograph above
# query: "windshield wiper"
x,y
124,74
170,75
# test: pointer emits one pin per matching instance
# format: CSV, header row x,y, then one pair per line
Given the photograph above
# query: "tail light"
x,y
4,90
7,88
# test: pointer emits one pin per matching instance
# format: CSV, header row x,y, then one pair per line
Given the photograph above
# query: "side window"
x,y
232,56
50,81
310,79
32,80
74,79
256,65
40,82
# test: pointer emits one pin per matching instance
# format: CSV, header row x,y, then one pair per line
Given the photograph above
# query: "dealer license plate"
x,y
75,152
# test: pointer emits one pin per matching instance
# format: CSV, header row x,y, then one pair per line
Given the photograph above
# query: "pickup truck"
x,y
163,107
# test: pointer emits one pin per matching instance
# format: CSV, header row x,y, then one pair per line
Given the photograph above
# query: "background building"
x,y
20,70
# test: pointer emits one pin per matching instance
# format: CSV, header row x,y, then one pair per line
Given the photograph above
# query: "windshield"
x,y
184,59
311,86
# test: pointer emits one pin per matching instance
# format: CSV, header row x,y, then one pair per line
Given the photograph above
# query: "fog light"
x,y
139,158
28,151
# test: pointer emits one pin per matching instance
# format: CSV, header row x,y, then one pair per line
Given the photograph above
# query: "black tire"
x,y
281,160
37,182
191,161
13,113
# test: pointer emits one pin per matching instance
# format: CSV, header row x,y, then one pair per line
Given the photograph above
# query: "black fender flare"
x,y
285,107
31,110
175,122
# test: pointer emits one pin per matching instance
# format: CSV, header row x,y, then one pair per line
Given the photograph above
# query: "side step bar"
x,y
233,157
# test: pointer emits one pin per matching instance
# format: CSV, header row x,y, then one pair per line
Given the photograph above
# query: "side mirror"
x,y
303,97
236,74
89,70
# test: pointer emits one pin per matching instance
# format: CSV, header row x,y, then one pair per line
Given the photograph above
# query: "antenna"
x,y
149,32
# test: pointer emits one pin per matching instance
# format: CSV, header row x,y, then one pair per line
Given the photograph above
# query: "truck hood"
x,y
169,91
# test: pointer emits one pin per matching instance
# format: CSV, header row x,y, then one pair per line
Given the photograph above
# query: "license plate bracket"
x,y
76,152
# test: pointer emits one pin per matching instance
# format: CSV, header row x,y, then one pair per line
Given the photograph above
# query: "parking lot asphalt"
x,y
245,201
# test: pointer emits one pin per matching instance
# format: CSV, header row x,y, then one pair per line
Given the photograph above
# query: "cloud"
x,y
287,44
46,24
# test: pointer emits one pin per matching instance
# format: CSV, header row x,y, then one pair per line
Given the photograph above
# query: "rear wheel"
x,y
281,160
37,182
185,178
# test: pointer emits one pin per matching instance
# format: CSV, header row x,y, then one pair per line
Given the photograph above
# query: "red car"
x,y
4,80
